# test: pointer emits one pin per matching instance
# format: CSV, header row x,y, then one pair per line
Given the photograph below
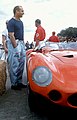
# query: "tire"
x,y
35,102
31,100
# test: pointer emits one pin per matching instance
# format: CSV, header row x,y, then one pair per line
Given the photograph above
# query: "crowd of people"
x,y
40,35
15,47
13,42
29,45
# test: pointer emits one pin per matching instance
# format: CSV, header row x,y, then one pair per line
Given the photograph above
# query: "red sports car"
x,y
52,73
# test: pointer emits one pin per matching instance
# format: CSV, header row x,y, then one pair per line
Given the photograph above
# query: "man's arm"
x,y
12,38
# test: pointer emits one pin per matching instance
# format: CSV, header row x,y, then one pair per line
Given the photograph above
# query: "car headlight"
x,y
42,76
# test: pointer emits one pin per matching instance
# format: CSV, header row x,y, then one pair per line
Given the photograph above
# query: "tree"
x,y
69,32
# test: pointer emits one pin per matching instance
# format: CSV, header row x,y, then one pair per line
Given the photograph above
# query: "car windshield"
x,y
58,45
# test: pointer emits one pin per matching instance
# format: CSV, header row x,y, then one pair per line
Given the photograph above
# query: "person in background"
x,y
31,45
27,45
16,48
40,33
5,38
54,38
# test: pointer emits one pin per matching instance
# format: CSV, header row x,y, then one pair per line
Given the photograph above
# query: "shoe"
x,y
21,85
15,87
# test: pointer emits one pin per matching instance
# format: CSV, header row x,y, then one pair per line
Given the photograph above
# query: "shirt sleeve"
x,y
11,26
4,33
38,34
36,37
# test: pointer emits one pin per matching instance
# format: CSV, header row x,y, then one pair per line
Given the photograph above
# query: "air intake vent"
x,y
69,56
54,95
73,99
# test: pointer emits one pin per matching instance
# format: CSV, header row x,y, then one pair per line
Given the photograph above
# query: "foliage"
x,y
69,32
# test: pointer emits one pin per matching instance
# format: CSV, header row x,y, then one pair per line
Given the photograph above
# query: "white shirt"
x,y
5,33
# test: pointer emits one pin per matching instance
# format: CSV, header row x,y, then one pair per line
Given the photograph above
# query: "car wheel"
x,y
31,100
35,102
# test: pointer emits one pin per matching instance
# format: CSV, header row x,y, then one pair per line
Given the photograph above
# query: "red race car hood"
x,y
67,57
64,67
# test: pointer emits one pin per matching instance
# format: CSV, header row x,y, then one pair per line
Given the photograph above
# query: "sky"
x,y
55,15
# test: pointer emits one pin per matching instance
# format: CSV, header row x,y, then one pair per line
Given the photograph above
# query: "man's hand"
x,y
6,50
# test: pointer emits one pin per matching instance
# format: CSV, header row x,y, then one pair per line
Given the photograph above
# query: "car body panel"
x,y
63,66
